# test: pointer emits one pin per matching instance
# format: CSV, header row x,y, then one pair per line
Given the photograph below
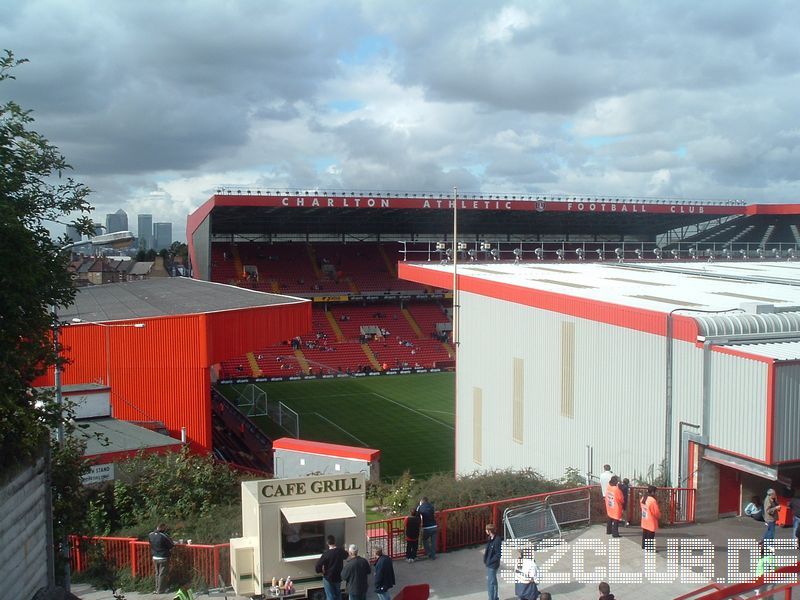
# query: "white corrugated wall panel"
x,y
618,393
787,412
738,419
617,409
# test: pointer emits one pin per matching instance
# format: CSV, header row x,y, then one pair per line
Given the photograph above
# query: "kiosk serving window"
x,y
304,528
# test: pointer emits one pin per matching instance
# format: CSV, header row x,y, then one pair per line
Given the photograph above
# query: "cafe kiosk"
x,y
285,523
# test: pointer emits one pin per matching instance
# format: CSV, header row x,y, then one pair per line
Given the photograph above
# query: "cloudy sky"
x,y
156,103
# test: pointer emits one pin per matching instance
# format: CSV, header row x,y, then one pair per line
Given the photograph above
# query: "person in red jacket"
x,y
613,507
651,513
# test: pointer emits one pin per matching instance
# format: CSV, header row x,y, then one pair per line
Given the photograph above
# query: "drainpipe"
x,y
669,392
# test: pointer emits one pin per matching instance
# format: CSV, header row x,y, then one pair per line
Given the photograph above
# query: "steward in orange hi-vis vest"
x,y
650,514
614,502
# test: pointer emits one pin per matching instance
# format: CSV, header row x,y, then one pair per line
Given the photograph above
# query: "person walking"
x,y
491,558
429,528
526,576
794,506
384,575
770,514
613,507
330,566
651,513
412,527
161,546
354,573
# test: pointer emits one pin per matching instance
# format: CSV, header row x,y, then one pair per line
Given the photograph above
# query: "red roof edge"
x,y
337,450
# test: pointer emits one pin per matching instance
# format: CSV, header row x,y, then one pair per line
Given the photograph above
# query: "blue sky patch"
x,y
345,106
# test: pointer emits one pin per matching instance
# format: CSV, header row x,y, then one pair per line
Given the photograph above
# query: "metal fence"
x,y
458,528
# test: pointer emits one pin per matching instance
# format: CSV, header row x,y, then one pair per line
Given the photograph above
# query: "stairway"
x,y
237,262
372,360
353,286
301,360
767,235
411,321
389,265
335,326
312,256
251,359
275,286
450,351
795,232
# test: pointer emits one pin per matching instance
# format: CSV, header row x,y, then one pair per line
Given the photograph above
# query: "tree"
x,y
33,275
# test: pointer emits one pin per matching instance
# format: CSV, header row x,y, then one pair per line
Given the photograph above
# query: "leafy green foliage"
x,y
33,276
69,495
197,496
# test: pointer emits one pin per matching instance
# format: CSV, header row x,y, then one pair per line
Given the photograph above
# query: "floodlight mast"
x,y
456,307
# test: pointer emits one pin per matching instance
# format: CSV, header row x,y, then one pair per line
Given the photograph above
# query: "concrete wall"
x,y
25,547
707,495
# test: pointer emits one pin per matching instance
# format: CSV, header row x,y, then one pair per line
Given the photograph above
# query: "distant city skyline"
x,y
149,234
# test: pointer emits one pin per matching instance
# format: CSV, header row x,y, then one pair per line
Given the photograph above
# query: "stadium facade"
x,y
689,370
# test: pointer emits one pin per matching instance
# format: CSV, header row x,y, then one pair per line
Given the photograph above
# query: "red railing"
x,y
209,562
718,591
458,528
676,504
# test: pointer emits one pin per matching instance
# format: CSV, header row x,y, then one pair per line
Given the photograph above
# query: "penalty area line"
x,y
414,410
342,429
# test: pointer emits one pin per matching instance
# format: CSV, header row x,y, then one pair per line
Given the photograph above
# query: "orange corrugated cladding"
x,y
160,372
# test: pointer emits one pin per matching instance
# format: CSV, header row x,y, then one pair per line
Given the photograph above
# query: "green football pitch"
x,y
409,418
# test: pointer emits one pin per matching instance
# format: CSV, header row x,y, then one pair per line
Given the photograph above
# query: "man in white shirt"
x,y
605,477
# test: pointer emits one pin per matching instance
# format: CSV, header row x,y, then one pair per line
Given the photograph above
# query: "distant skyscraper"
x,y
163,234
146,232
117,221
73,234
99,228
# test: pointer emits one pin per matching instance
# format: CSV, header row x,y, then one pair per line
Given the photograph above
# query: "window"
x,y
307,540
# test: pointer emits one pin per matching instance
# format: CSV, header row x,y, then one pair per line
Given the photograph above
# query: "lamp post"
x,y
117,239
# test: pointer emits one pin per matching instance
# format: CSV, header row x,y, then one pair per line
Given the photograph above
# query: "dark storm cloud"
x,y
155,104
129,87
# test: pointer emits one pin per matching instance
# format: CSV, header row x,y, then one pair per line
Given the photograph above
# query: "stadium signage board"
x,y
487,204
318,487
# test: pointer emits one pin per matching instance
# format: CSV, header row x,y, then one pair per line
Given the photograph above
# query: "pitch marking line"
x,y
414,410
343,430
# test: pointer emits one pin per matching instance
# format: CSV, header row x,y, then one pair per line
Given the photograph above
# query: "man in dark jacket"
x,y
355,572
429,528
605,591
491,558
330,565
384,574
160,547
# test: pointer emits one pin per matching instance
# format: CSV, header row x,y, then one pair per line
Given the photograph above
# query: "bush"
x,y
448,492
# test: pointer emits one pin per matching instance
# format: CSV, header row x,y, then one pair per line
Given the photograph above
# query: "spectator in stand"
x,y
384,575
771,507
650,516
613,507
605,477
429,527
330,566
605,591
161,546
412,526
355,572
491,558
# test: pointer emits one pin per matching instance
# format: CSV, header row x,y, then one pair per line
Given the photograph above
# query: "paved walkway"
x,y
461,574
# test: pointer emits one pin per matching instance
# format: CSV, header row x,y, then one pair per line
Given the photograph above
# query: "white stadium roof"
x,y
660,287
